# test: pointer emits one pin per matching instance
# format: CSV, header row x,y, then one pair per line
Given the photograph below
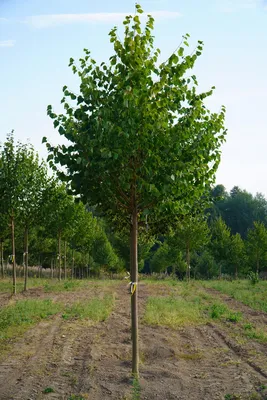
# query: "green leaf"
x,y
181,51
61,130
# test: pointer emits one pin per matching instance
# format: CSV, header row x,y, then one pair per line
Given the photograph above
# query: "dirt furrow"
x,y
257,316
93,361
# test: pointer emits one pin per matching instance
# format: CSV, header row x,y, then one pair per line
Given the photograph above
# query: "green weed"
x,y
95,309
24,313
136,389
221,311
217,310
232,397
252,295
256,334
253,277
48,390
173,312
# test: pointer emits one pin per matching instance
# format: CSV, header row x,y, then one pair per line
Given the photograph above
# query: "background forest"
x,y
56,233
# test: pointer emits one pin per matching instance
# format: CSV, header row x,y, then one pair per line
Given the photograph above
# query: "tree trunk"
x,y
26,236
52,268
13,254
72,267
59,256
188,261
65,260
258,265
134,306
236,272
2,258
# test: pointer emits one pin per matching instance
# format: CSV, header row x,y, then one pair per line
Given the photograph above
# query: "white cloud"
x,y
7,43
50,20
235,5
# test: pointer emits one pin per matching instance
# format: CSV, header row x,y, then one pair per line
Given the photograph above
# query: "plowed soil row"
x,y
79,360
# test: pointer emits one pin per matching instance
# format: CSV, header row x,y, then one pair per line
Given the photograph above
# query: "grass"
x,y
219,310
53,285
172,312
16,318
95,309
48,390
252,295
24,313
6,284
252,332
63,286
136,389
188,304
19,316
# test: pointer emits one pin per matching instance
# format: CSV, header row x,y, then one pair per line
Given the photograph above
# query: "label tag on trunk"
x,y
132,287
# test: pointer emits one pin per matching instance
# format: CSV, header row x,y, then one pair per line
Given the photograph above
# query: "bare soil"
x,y
81,360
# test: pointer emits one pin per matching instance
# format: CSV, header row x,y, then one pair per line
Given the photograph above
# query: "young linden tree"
x,y
142,144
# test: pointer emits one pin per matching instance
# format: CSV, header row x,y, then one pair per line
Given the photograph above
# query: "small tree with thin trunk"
x,y
190,233
142,141
257,246
237,253
3,235
13,172
58,212
220,242
32,185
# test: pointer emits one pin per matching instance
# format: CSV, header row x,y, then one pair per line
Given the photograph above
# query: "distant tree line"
x,y
42,225
229,238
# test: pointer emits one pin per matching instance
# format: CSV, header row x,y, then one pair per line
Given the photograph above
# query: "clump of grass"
x,y
25,313
253,277
217,310
221,311
136,389
191,356
95,309
48,390
55,286
6,284
252,295
234,316
232,397
255,333
15,319
173,312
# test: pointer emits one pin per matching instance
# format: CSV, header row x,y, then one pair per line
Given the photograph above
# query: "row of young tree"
x,y
142,149
40,224
207,250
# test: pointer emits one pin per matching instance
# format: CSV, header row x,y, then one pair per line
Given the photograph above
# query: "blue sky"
x,y
38,37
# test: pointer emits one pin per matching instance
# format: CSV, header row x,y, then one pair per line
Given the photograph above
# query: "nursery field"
x,y
72,340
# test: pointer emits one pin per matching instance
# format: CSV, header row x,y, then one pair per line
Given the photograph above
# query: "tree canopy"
x,y
142,142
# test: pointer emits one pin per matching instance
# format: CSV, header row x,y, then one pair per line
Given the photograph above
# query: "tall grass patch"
x,y
17,317
221,311
173,312
252,295
96,309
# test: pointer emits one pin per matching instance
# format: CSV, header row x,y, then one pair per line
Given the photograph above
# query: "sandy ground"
x,y
80,360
